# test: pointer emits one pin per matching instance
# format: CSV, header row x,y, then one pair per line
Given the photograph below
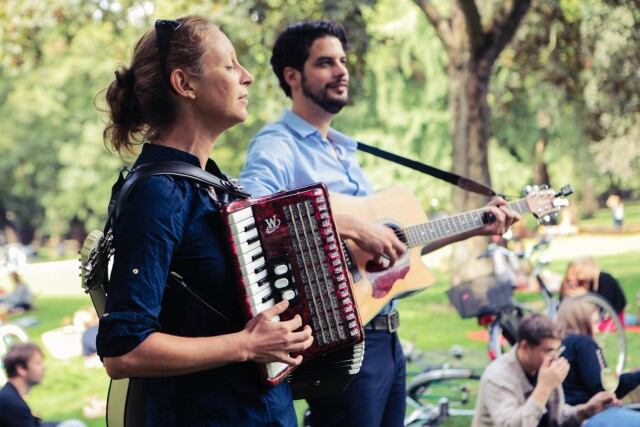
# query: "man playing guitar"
x,y
301,148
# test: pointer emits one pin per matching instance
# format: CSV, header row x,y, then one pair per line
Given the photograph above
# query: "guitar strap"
x,y
465,183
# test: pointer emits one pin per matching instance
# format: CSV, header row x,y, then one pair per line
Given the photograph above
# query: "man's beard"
x,y
330,105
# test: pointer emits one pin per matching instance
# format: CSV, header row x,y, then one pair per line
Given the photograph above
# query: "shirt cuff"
x,y
121,332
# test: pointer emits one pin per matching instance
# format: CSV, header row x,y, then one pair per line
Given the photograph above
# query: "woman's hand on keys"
x,y
269,340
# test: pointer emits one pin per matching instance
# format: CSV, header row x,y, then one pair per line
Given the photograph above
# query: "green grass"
x,y
603,218
427,320
67,384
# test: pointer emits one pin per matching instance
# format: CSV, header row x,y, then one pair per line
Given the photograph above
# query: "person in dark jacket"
x,y
585,275
577,323
24,365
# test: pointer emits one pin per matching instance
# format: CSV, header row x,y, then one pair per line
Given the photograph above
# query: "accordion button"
x,y
281,283
289,295
280,269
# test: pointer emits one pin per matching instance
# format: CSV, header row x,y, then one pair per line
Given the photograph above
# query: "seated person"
x,y
577,323
584,275
86,321
20,299
522,387
24,364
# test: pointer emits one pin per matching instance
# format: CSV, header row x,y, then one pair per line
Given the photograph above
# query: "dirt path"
x,y
61,277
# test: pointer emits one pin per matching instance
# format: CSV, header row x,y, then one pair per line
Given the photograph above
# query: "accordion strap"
x,y
228,188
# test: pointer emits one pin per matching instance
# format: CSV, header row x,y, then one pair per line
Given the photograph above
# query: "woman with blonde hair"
x,y
576,322
584,275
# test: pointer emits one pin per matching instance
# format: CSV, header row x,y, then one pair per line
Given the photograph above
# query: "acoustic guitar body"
x,y
375,286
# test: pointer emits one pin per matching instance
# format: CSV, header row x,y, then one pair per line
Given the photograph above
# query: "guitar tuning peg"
x,y
527,189
536,188
544,187
546,218
565,191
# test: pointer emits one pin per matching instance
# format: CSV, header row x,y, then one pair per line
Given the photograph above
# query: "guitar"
x,y
125,401
375,286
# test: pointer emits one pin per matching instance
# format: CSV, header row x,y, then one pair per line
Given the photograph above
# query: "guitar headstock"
x,y
89,258
544,202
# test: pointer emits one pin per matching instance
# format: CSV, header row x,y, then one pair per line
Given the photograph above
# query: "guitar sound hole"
x,y
373,266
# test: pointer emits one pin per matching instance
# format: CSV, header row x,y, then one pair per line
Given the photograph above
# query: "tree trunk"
x,y
541,172
468,87
472,49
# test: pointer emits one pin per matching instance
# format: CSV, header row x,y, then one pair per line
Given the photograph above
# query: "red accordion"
x,y
286,246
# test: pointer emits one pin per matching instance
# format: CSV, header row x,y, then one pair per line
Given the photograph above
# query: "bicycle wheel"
x,y
458,387
610,336
503,331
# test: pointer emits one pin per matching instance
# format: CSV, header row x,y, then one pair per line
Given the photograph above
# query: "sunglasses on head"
x,y
164,31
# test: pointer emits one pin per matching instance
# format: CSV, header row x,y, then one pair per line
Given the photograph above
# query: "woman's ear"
x,y
182,84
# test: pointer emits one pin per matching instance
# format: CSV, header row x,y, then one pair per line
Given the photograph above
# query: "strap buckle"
x,y
393,321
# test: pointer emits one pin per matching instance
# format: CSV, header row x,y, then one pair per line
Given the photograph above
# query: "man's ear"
x,y
292,77
21,370
182,84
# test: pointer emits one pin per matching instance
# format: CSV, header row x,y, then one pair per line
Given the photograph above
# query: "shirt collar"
x,y
298,124
152,153
303,128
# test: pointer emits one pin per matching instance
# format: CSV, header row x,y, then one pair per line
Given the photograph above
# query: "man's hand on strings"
x,y
376,239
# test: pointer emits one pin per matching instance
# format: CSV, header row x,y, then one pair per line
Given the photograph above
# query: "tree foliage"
x,y
570,79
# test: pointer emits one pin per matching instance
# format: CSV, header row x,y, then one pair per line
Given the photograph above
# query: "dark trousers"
x,y
376,397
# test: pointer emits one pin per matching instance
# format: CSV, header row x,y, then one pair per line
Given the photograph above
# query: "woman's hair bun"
x,y
124,77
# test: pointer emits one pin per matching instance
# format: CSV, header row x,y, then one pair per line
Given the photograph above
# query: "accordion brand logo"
x,y
273,224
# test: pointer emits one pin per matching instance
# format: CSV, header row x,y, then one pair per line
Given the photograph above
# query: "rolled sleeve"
x,y
147,232
269,163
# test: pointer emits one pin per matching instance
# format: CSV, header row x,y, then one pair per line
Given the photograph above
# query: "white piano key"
x,y
275,368
245,236
257,299
262,307
258,287
239,227
241,215
252,278
245,258
247,269
248,247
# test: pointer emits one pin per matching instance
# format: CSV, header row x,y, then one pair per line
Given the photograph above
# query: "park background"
x,y
509,92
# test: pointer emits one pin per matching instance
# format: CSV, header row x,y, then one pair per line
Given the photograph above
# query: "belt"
x,y
384,322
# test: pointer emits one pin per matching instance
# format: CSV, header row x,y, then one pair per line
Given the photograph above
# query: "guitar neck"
x,y
438,229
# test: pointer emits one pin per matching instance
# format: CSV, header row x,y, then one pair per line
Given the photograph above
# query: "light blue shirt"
x,y
291,153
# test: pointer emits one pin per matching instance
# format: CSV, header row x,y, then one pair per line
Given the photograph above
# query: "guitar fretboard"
x,y
437,229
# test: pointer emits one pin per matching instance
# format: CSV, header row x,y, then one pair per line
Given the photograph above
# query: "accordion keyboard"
x,y
286,247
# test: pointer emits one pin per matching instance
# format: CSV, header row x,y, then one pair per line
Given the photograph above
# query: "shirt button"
x,y
135,271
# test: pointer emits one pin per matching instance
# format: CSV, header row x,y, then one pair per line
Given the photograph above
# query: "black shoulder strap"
x,y
450,177
175,168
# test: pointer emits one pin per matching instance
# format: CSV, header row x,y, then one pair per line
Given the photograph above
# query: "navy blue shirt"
x,y
172,224
14,411
586,363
